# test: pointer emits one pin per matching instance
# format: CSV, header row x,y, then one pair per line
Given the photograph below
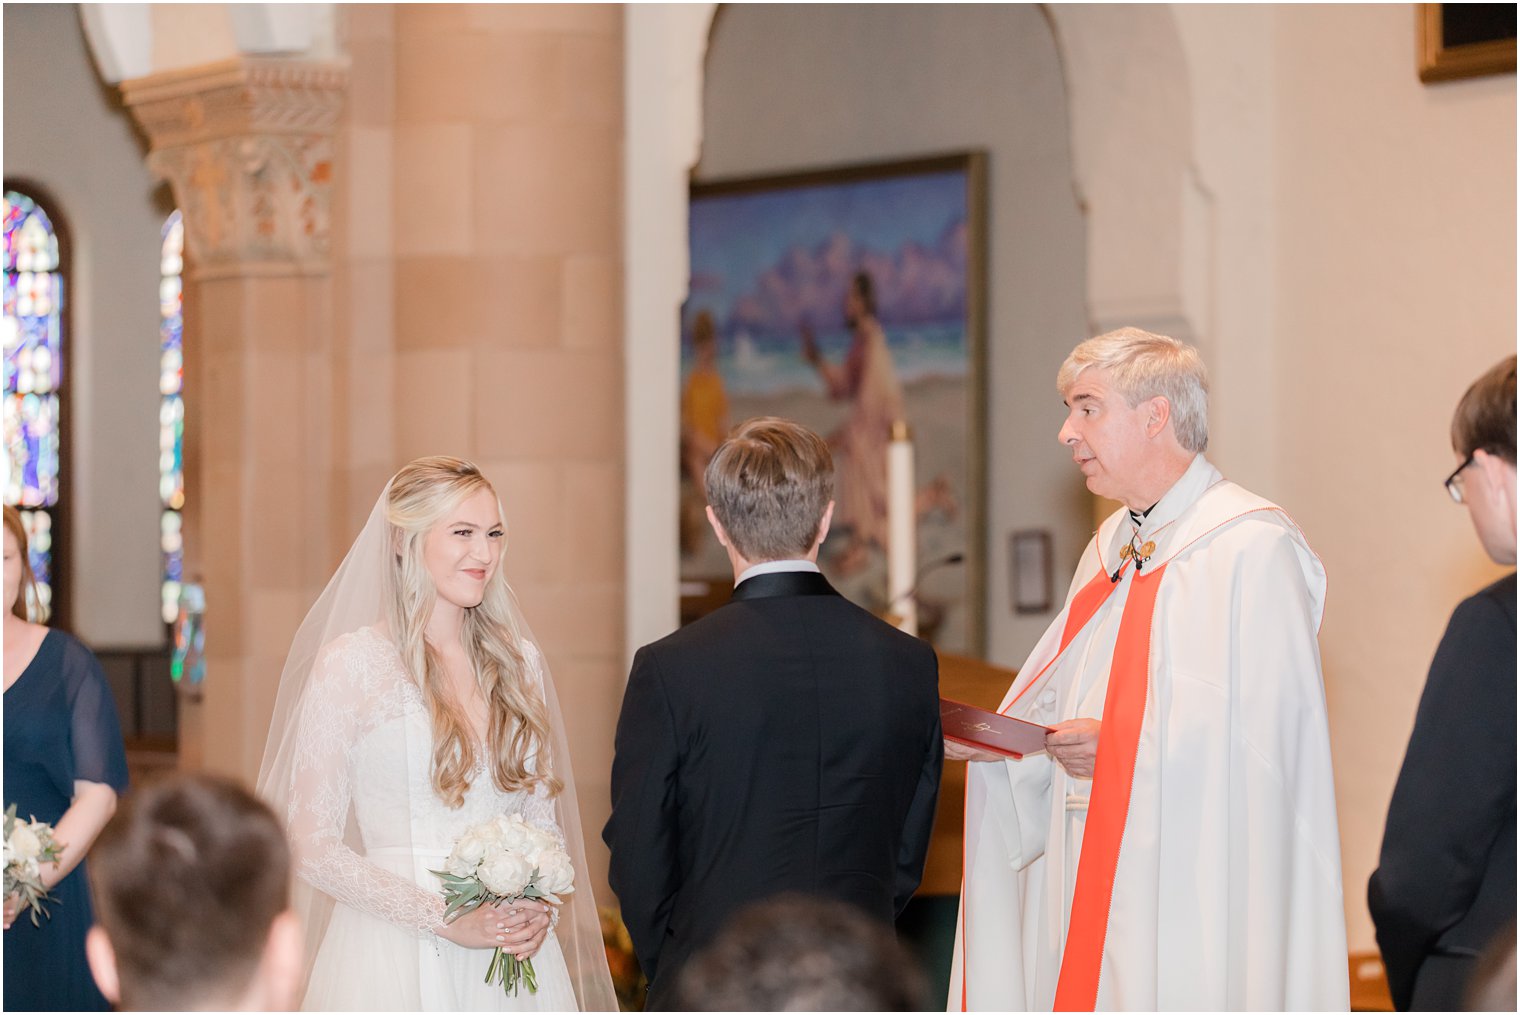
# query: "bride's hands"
x,y
527,925
519,927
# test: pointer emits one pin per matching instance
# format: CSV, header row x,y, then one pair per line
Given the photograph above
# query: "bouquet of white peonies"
x,y
503,860
28,845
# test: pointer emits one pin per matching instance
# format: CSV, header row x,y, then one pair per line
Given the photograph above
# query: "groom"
x,y
788,741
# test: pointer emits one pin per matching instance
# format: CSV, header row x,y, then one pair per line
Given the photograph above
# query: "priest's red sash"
x,y
1113,779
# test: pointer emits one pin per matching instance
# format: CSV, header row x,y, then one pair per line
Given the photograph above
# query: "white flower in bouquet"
x,y
506,874
513,833
23,843
504,860
555,873
470,850
541,841
28,845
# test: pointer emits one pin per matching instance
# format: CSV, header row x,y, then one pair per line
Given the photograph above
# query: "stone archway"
x,y
1148,224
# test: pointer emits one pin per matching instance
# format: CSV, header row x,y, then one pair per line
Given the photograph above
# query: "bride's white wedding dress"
x,y
364,748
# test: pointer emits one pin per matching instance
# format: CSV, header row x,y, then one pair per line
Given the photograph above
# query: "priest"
x,y
1175,846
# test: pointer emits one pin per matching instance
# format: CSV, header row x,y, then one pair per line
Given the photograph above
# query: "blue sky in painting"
x,y
766,259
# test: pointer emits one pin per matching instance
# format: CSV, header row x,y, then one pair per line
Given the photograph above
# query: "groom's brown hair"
x,y
188,878
769,484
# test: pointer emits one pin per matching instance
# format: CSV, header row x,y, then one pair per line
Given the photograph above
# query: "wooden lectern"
x,y
976,683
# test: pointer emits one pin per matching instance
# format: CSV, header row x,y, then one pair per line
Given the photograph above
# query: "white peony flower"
x,y
24,843
470,850
540,840
555,874
505,874
512,833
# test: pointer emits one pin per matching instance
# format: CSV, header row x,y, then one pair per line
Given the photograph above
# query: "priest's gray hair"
x,y
1142,365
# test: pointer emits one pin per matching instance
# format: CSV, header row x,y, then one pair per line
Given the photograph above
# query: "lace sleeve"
x,y
331,719
538,810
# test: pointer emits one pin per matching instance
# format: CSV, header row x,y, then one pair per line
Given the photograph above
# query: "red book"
x,y
989,731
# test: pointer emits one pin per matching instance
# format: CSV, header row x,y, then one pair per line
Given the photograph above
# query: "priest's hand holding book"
x,y
1074,743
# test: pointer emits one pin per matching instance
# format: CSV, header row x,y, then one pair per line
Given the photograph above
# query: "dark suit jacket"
x,y
1445,883
788,741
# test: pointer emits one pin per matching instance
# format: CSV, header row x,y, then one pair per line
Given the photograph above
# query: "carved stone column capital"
x,y
247,146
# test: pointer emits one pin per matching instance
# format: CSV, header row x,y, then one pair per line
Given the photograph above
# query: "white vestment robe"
x,y
1227,891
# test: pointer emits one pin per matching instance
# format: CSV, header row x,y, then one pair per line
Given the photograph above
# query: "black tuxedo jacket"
x,y
1445,883
788,741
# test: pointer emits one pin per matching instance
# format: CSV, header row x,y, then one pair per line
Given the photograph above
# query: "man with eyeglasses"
x,y
1445,883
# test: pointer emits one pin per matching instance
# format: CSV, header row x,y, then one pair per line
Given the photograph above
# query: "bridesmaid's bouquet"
x,y
28,845
504,860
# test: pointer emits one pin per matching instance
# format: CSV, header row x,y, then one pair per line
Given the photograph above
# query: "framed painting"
x,y
1465,40
848,299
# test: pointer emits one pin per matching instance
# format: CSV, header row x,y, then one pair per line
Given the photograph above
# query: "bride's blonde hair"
x,y
421,494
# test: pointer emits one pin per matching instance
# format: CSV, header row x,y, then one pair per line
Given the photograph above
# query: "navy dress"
x,y
60,726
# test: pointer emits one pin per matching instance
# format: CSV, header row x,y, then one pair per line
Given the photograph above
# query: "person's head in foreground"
x,y
1138,413
802,953
769,491
1483,437
191,881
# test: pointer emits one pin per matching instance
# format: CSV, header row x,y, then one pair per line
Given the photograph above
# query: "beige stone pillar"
x,y
247,146
507,163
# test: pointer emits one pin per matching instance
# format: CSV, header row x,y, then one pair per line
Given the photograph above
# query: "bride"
x,y
414,705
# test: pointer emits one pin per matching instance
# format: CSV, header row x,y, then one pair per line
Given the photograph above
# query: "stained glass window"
x,y
171,414
33,338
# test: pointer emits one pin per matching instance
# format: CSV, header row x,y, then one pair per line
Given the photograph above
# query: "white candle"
x,y
902,530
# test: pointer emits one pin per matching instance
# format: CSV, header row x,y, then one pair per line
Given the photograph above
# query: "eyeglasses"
x,y
1454,481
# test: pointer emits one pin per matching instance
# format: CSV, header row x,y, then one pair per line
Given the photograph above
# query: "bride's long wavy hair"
x,y
421,495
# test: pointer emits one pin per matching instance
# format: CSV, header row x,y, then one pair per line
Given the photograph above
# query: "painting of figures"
x,y
848,300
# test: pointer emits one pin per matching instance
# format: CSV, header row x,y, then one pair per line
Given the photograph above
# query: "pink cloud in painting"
x,y
916,284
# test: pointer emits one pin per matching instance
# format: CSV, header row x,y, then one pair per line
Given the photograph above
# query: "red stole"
x,y
1113,779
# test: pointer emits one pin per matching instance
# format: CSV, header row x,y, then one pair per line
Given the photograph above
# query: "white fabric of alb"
x,y
348,766
1227,894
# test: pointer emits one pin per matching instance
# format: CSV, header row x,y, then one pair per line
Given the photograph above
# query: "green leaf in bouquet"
x,y
457,903
34,903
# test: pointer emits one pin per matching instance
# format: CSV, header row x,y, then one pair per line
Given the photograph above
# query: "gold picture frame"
x,y
1440,61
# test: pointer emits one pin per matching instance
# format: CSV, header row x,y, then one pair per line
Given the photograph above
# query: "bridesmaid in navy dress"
x,y
64,764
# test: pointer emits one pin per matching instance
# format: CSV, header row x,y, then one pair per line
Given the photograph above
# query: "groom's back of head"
x,y
191,883
769,484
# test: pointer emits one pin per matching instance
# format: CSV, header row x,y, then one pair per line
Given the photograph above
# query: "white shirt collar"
x,y
1200,475
776,566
